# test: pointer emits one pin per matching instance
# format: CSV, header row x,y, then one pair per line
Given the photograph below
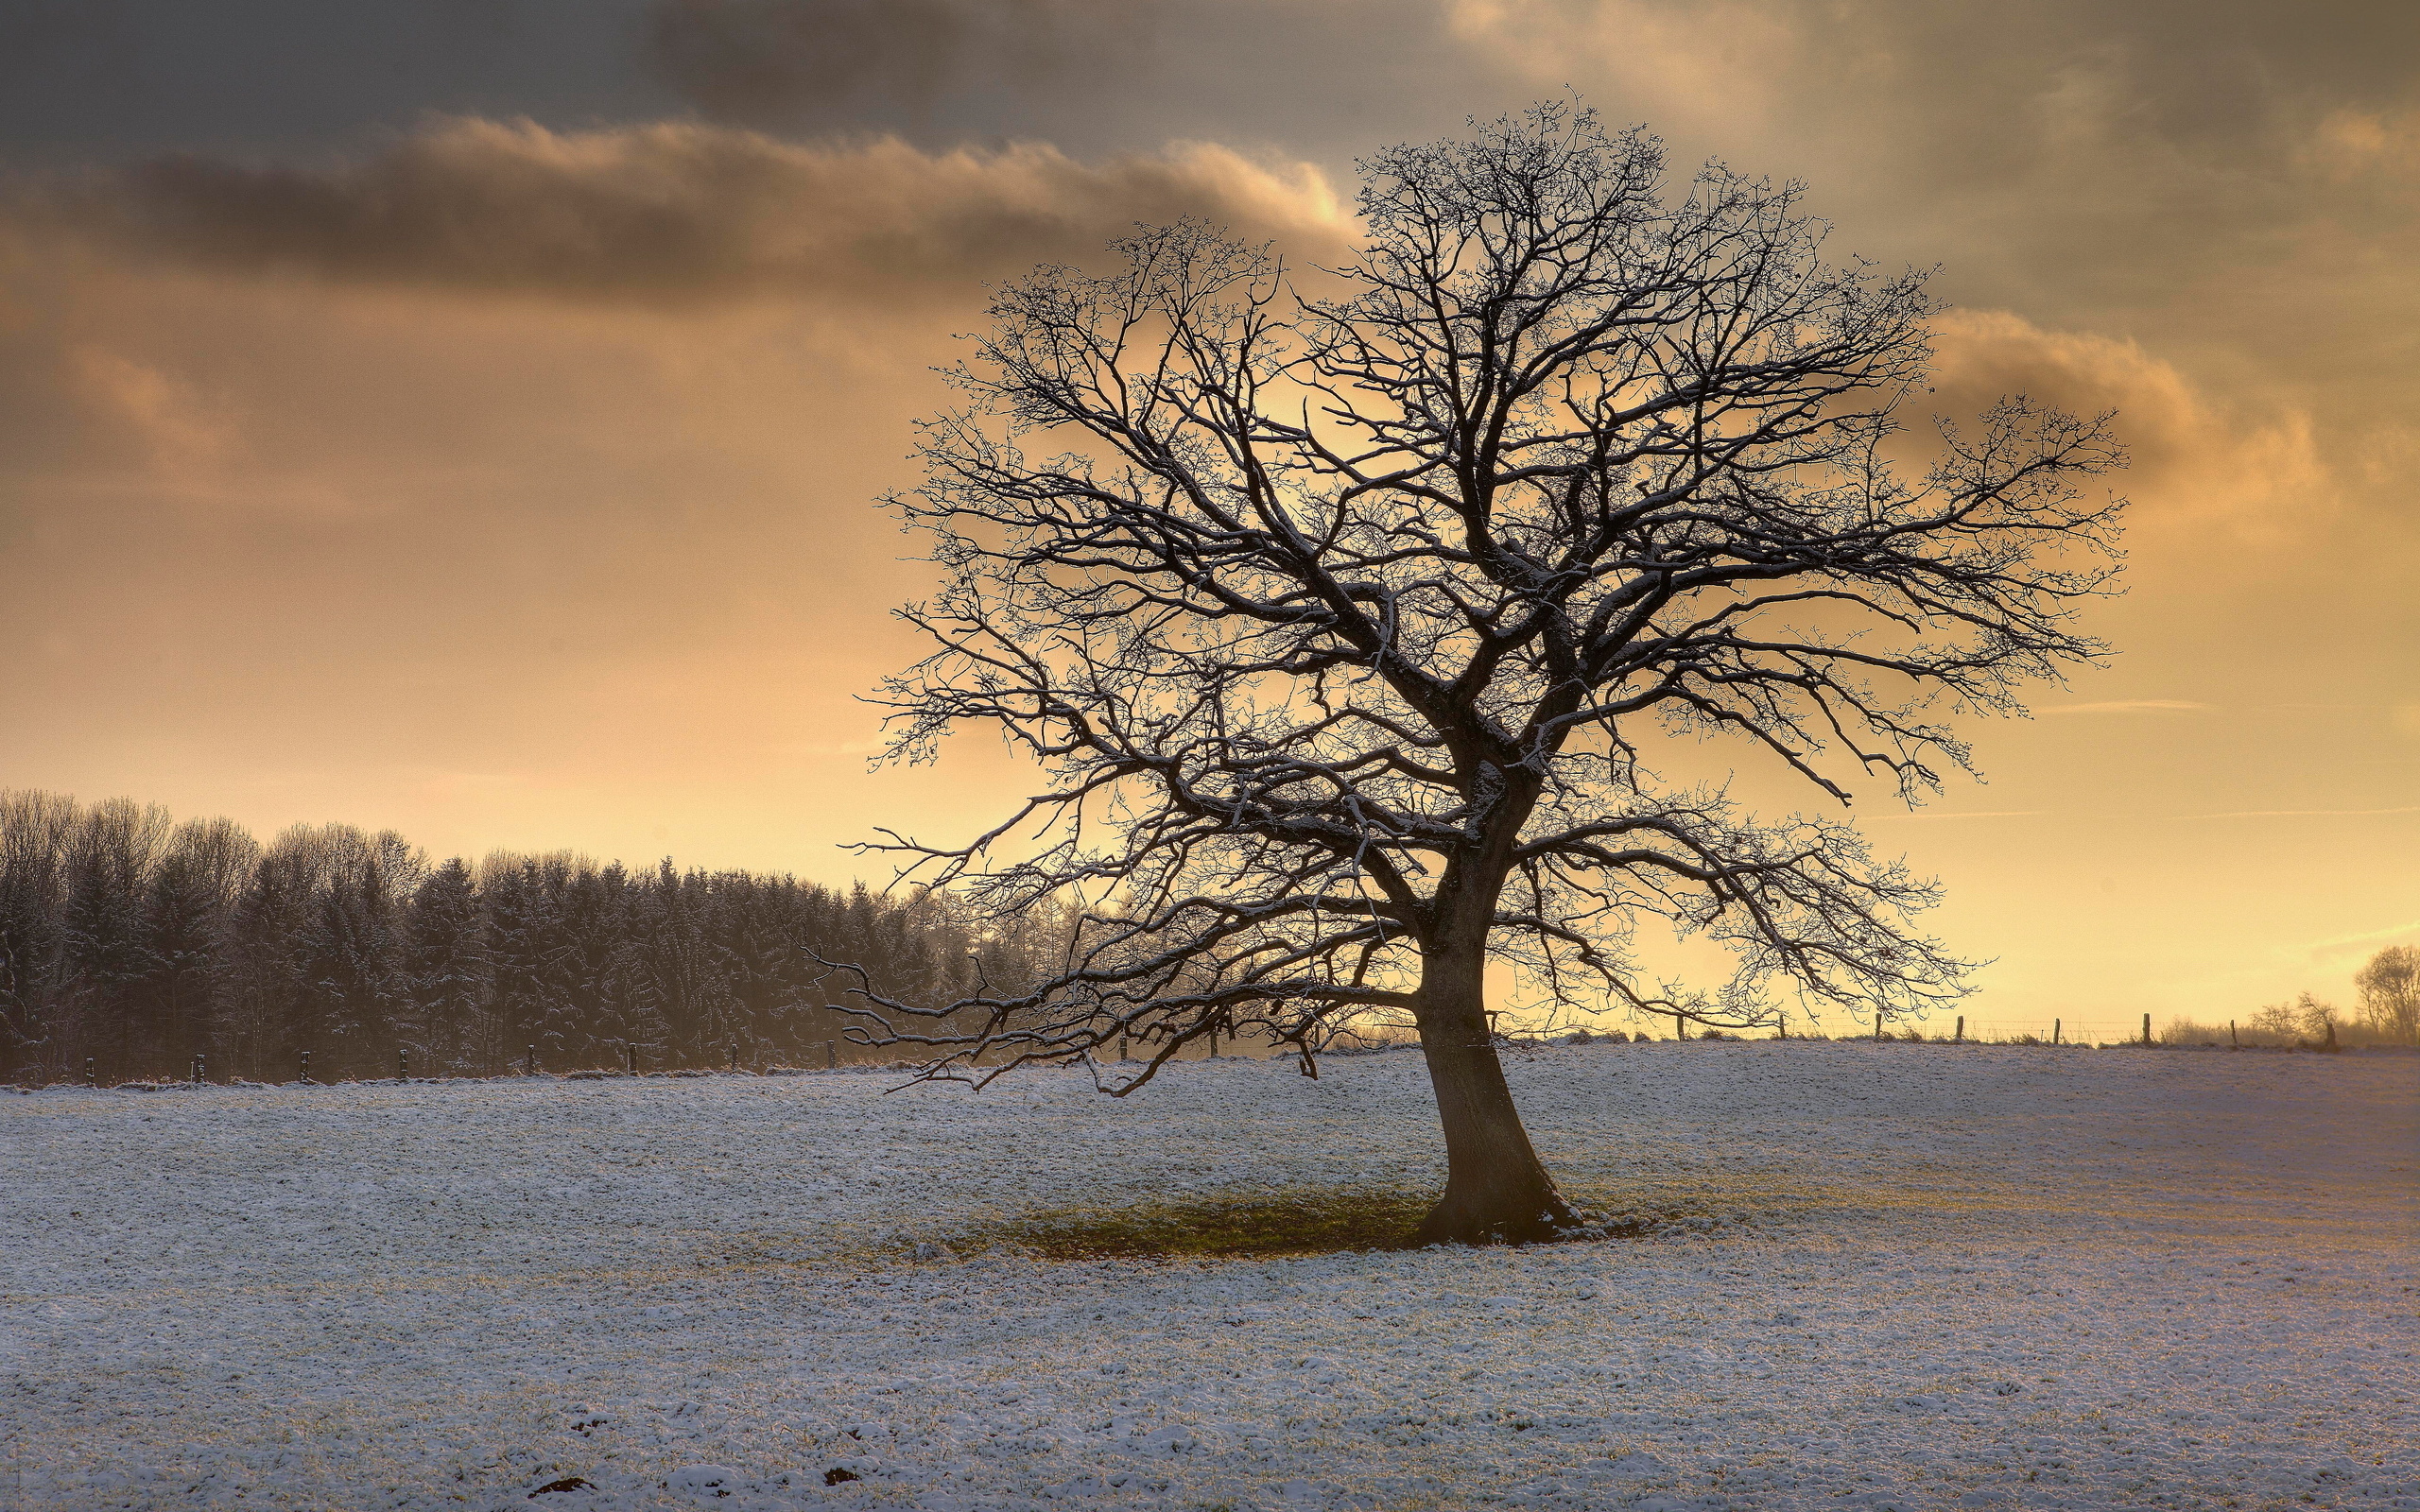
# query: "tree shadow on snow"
x,y
1243,1226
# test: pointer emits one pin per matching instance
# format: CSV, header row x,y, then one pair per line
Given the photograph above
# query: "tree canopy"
x,y
1355,620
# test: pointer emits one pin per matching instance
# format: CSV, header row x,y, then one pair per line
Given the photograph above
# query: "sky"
x,y
467,418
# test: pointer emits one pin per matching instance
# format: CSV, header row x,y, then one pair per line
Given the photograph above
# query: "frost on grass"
x,y
1894,1275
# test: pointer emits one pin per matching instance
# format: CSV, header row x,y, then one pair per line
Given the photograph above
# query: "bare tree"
x,y
2280,1022
1343,623
2390,989
37,833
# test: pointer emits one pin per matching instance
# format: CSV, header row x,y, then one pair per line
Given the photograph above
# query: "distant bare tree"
x,y
450,1027
1342,626
2313,1018
109,862
2390,989
2277,1021
37,831
142,946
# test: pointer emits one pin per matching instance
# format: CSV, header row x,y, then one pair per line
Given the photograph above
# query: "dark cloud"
x,y
1091,75
112,80
676,212
772,61
788,63
2230,182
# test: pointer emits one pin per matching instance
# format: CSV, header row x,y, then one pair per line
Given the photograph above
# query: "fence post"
x,y
631,1056
1781,1025
1877,1026
2054,1031
831,1054
734,1055
1680,1026
530,1063
2147,1028
403,1067
2233,1043
90,1081
1961,1038
307,1065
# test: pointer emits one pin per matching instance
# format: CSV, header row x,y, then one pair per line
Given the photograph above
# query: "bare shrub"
x,y
2272,1023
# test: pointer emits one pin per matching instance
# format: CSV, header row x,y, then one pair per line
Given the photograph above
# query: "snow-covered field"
x,y
1919,1276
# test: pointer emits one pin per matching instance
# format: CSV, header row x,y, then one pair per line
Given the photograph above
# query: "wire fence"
x,y
2056,1031
1947,1029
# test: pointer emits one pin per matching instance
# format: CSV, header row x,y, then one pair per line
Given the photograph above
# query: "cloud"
x,y
2380,146
784,62
1970,813
2195,461
171,425
678,211
2208,174
2354,944
2305,813
2202,78
1332,77
510,449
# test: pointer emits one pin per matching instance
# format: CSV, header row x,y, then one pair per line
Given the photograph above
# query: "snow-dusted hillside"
x,y
1920,1277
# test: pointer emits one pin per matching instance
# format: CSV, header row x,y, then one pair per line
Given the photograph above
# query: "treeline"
x,y
141,944
2388,1011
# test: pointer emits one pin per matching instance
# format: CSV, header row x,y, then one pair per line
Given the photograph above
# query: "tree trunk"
x,y
1497,1190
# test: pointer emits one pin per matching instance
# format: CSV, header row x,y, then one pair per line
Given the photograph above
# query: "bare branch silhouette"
x,y
1341,627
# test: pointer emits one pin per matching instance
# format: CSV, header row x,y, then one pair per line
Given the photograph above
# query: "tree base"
x,y
1497,1218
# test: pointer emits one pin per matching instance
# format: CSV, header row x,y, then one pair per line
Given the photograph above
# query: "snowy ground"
x,y
1932,1277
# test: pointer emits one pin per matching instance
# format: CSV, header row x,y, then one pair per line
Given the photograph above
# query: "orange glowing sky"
x,y
465,419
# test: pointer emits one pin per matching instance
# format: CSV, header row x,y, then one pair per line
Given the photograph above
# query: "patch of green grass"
x,y
1285,1223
